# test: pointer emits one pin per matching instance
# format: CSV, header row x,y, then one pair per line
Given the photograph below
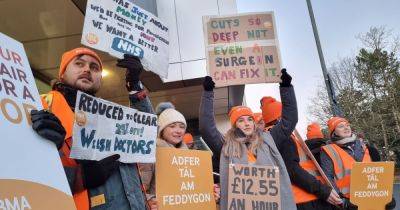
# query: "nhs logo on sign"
x,y
126,47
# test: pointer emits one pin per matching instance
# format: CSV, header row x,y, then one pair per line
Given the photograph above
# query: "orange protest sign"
x,y
371,185
184,180
242,49
253,187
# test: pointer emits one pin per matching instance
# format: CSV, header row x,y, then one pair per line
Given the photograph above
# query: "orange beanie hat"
x,y
238,111
271,109
333,122
188,138
69,55
258,117
314,131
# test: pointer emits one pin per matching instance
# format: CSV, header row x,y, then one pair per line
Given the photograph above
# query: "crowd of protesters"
x,y
266,139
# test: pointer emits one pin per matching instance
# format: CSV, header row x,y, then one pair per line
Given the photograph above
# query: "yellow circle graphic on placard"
x,y
92,38
80,118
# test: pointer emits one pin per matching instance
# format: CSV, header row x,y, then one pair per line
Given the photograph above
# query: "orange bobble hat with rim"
x,y
258,117
314,131
271,109
333,122
68,56
238,111
188,138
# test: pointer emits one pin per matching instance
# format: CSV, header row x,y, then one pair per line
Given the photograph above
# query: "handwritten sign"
x,y
371,185
242,49
184,180
30,165
121,27
103,128
253,187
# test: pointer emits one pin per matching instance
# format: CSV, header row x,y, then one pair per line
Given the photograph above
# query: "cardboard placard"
x,y
253,187
121,27
184,180
371,186
103,128
31,174
242,49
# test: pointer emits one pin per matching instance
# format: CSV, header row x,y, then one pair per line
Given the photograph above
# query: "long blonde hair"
x,y
232,145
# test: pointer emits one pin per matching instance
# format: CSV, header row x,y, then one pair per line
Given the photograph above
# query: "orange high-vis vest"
x,y
55,102
300,195
343,163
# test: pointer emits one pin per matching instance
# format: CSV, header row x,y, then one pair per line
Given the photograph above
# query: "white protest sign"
x,y
31,174
103,128
121,27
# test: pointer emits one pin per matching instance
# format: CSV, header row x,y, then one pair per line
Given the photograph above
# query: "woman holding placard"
x,y
244,143
171,125
337,158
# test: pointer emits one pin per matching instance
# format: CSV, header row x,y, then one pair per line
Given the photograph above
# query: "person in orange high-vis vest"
x,y
309,191
337,158
80,69
55,103
315,139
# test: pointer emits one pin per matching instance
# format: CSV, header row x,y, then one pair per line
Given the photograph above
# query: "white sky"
x,y
338,22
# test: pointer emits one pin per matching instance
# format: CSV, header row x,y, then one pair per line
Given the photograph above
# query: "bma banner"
x,y
242,49
121,27
31,174
371,186
184,180
253,187
103,128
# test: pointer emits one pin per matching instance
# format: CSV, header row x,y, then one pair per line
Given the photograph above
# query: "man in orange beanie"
x,y
271,110
315,139
309,192
80,69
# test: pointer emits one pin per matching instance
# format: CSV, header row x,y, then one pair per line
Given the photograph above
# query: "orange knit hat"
x,y
238,111
314,131
188,138
333,122
258,117
271,109
69,55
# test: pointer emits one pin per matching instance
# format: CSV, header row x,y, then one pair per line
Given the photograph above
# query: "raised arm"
x,y
137,96
283,129
207,126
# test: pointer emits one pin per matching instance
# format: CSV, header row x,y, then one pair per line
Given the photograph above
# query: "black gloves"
x,y
286,79
347,205
391,205
133,70
208,84
96,173
48,126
